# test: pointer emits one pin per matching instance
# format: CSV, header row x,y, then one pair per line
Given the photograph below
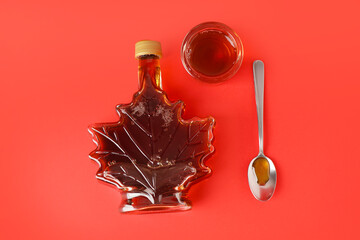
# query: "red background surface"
x,y
66,64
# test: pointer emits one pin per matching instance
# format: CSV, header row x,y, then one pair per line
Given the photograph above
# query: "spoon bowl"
x,y
261,171
261,188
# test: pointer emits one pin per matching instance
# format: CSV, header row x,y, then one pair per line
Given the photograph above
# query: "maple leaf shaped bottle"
x,y
151,154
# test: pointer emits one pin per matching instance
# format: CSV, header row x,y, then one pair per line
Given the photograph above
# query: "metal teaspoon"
x,y
261,171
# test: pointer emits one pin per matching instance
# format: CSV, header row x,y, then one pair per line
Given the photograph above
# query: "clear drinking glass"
x,y
212,52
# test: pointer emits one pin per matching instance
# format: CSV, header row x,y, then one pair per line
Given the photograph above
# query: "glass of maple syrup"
x,y
212,52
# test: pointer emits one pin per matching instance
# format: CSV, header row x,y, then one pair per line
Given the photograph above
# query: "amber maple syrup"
x,y
212,53
262,170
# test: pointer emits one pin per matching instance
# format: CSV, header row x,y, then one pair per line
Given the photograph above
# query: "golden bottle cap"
x,y
147,47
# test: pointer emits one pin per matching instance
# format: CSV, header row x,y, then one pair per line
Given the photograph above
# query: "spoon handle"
x,y
258,69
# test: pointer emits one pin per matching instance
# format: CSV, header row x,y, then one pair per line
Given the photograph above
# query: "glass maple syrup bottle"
x,y
151,154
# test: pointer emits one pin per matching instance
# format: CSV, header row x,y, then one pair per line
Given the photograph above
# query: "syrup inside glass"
x,y
212,53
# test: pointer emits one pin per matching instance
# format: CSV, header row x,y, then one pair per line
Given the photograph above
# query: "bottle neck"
x,y
149,71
